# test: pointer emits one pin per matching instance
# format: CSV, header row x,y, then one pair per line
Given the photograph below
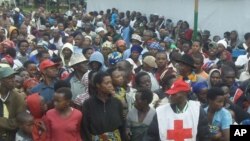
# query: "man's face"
x,y
8,82
176,98
229,78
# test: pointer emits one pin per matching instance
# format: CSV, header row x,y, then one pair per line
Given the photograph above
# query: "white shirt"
x,y
241,60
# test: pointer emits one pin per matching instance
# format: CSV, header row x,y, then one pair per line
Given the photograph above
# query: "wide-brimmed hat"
x,y
187,60
6,72
76,58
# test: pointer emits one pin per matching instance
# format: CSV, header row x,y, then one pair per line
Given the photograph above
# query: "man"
x,y
185,69
180,119
80,65
11,103
49,72
79,38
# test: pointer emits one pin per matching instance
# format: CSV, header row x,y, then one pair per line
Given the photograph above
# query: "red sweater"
x,y
63,129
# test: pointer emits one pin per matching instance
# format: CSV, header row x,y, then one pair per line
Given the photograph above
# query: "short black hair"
x,y
247,36
27,63
11,52
146,94
111,70
138,77
198,56
66,92
23,117
41,53
22,41
98,78
214,92
60,84
85,50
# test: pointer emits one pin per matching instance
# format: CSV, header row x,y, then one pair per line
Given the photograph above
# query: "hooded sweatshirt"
x,y
69,46
11,30
98,57
209,77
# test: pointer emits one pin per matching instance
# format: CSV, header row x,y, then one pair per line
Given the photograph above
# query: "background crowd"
x,y
101,75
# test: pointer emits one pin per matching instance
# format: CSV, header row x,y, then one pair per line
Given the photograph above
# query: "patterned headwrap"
x,y
156,45
114,57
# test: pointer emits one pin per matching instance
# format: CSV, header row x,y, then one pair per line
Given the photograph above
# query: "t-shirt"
x,y
63,129
222,120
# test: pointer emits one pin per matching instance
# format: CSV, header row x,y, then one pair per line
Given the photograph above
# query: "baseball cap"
x,y
178,86
150,60
46,64
6,72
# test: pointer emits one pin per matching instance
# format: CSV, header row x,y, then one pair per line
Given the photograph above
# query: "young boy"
x,y
25,123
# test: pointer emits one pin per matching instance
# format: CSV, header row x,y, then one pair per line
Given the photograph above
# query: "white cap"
x,y
99,29
17,9
223,42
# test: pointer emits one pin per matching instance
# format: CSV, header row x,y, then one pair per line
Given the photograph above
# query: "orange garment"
x,y
203,74
38,131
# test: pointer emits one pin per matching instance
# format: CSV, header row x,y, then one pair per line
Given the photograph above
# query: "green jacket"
x,y
8,126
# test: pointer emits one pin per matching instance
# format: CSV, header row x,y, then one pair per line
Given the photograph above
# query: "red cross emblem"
x,y
179,133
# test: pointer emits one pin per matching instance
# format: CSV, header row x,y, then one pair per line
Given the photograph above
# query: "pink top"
x,y
63,129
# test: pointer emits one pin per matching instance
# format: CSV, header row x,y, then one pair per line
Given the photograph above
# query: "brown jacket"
x,y
8,126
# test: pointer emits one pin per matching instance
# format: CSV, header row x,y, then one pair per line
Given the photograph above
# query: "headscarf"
x,y
136,48
8,43
120,43
28,83
223,42
197,87
34,105
155,45
114,58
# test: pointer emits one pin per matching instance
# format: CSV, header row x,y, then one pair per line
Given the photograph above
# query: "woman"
x,y
219,118
140,117
63,122
134,57
214,78
142,80
106,121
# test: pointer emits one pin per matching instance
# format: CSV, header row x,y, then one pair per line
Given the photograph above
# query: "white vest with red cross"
x,y
181,126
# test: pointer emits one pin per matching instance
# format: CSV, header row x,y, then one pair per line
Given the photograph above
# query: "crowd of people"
x,y
118,76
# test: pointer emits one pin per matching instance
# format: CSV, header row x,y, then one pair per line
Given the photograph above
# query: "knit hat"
x,y
223,42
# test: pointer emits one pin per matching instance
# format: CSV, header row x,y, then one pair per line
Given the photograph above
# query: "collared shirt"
x,y
77,87
183,110
46,91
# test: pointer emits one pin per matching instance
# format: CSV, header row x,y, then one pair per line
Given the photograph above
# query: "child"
x,y
25,123
37,108
63,122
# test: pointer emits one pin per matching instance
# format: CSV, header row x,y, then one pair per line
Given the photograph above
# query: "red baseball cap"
x,y
46,63
178,86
